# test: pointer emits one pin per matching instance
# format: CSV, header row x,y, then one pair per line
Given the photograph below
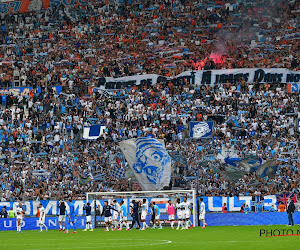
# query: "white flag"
x,y
149,161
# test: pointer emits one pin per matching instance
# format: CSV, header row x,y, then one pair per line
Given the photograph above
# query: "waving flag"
x,y
83,180
283,198
149,161
92,132
201,130
118,172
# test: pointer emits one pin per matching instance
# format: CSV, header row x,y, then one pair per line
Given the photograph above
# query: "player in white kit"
x,y
179,212
187,213
19,213
144,208
42,218
202,213
117,208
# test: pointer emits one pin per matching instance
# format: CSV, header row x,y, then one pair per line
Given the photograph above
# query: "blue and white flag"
x,y
149,161
118,172
201,130
92,132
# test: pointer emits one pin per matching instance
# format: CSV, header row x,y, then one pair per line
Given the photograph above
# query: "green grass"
x,y
242,237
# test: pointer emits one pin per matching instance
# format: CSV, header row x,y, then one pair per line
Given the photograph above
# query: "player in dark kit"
x,y
135,214
107,214
88,210
62,216
152,214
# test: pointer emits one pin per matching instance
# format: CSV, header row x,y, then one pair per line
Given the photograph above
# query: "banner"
x,y
250,219
92,132
149,161
215,203
26,90
214,219
201,130
279,75
129,81
23,6
212,204
35,5
32,223
66,3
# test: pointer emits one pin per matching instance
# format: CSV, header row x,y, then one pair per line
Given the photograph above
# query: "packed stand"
x,y
75,46
44,157
42,154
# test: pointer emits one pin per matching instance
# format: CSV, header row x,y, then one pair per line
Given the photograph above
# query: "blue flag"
x,y
92,132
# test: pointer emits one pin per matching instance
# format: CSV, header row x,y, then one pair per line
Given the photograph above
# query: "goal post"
x,y
161,198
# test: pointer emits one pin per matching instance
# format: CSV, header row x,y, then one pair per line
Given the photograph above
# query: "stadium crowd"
x,y
42,154
72,46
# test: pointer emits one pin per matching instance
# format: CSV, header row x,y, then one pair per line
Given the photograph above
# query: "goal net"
x,y
161,198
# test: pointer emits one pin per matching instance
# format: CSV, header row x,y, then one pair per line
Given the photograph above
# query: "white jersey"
x,y
202,208
144,208
19,213
179,207
186,206
117,207
42,213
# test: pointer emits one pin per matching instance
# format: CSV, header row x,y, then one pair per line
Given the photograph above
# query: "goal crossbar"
x,y
140,192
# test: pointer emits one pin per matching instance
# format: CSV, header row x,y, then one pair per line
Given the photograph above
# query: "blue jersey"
x,y
156,210
72,212
88,210
259,207
123,211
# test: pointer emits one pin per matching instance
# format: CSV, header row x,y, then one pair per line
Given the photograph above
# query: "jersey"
x,y
19,213
202,208
88,210
186,206
11,214
42,213
72,213
116,206
135,208
156,210
260,207
171,209
62,209
123,211
144,208
107,211
178,208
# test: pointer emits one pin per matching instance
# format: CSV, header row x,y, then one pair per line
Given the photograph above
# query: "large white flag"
x,y
149,161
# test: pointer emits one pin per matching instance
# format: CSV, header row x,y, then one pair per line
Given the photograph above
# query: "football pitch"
x,y
229,237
